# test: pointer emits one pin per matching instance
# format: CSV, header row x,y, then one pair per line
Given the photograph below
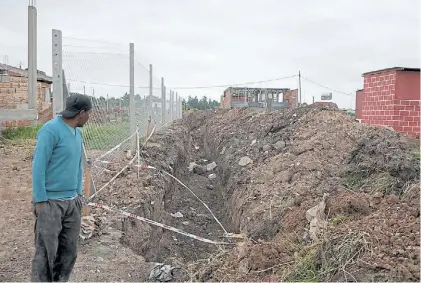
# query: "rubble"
x,y
211,166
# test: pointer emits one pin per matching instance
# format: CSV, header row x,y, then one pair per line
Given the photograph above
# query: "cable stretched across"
x,y
164,226
116,147
326,87
182,184
113,178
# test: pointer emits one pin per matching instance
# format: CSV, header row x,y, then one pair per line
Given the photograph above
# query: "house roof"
x,y
14,71
392,69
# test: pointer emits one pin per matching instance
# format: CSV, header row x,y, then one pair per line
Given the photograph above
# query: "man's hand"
x,y
38,207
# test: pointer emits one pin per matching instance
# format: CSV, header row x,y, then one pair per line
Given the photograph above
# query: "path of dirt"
x,y
100,259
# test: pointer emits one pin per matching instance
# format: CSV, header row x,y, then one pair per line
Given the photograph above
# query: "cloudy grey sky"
x,y
214,42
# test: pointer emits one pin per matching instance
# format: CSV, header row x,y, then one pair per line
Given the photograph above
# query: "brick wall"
x,y
226,99
358,103
291,97
382,104
15,93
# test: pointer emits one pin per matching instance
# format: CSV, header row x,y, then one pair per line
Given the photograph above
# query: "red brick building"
x,y
391,97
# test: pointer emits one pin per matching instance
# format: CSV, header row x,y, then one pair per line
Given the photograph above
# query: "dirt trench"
x,y
173,151
298,155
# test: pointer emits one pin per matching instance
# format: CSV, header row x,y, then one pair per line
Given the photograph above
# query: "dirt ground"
x,y
102,259
368,176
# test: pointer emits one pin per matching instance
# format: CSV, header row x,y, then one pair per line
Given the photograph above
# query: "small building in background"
x,y
275,98
391,98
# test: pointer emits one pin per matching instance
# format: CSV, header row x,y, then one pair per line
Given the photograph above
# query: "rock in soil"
x,y
211,166
244,161
212,176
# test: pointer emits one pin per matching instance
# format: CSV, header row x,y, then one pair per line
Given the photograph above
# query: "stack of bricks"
x,y
380,104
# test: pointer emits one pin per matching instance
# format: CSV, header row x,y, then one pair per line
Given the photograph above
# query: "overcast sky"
x,y
214,42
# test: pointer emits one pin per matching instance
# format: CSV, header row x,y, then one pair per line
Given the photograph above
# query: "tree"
x,y
202,104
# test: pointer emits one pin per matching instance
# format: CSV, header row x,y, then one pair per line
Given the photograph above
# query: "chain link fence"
x,y
126,94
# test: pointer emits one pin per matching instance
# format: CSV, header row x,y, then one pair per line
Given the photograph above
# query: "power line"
x,y
332,89
228,85
92,40
113,85
183,88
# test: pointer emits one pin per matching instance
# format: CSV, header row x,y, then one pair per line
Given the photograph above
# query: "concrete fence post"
x,y
132,107
171,105
164,102
176,105
32,57
150,92
58,103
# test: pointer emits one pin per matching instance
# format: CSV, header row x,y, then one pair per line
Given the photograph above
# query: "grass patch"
x,y
355,180
340,251
21,133
415,155
381,182
338,219
305,268
104,136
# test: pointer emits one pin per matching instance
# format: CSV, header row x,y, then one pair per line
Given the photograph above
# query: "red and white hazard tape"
x,y
134,216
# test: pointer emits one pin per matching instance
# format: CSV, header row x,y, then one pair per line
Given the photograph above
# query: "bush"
x,y
20,133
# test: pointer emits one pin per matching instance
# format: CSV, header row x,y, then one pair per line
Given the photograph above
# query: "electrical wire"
x,y
332,89
238,84
92,40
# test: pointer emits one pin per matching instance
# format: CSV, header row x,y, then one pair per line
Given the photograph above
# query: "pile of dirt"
x,y
272,168
370,174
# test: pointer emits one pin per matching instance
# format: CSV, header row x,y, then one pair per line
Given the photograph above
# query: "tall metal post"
x,y
58,103
150,91
171,105
164,102
132,108
32,56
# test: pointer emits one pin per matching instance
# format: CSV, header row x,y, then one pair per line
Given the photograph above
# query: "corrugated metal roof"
x,y
392,69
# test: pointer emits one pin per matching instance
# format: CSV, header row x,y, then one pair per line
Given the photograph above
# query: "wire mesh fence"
x,y
103,72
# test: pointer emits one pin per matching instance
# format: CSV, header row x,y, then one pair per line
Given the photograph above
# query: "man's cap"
x,y
75,104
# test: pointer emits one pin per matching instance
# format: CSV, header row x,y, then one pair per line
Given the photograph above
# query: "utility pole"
x,y
299,85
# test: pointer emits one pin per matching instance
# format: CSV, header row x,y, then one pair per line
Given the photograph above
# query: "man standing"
x,y
57,191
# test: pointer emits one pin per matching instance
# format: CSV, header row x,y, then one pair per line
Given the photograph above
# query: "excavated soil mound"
x,y
272,168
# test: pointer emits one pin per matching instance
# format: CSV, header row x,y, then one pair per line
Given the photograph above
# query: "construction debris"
x,y
162,273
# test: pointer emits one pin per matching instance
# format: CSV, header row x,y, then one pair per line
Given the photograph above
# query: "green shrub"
x,y
20,133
